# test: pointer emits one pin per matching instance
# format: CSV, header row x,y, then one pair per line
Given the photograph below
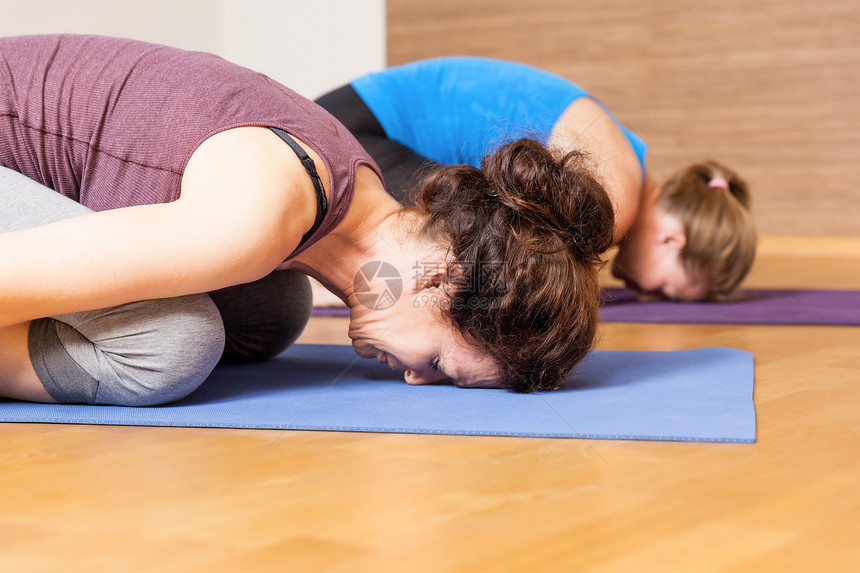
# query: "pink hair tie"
x,y
719,183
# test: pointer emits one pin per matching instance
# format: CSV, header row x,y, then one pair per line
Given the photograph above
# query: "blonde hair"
x,y
719,228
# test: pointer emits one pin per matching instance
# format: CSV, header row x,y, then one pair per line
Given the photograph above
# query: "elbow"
x,y
255,260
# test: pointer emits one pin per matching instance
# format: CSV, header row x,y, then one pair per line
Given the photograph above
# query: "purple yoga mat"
x,y
753,306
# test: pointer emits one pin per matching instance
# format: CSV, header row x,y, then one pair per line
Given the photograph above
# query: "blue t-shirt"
x,y
455,110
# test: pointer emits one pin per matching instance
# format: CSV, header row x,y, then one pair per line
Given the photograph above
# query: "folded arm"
x,y
244,206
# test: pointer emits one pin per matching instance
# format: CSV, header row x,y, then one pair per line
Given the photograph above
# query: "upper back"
x,y
454,110
112,122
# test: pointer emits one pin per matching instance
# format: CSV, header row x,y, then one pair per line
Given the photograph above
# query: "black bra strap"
x,y
308,163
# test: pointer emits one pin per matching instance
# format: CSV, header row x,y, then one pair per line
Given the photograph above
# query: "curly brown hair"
x,y
526,233
718,225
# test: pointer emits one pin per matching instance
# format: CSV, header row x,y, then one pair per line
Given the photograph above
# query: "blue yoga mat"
x,y
690,395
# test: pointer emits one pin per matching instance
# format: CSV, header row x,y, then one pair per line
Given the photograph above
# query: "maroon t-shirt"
x,y
112,122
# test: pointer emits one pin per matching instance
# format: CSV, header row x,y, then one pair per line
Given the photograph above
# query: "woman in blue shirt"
x,y
691,239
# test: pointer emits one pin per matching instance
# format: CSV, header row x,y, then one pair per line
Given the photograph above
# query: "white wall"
x,y
309,45
189,24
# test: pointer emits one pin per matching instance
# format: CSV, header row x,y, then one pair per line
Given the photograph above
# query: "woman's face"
x,y
412,337
648,261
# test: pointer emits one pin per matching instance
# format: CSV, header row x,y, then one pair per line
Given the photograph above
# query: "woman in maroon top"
x,y
154,201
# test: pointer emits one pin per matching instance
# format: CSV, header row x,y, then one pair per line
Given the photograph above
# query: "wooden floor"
x,y
86,498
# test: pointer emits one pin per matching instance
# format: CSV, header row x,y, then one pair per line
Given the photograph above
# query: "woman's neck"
x,y
647,210
374,229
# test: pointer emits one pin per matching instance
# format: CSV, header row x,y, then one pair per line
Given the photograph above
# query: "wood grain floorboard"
x,y
102,498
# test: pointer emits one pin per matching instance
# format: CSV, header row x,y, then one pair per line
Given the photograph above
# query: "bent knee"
x,y
140,354
263,318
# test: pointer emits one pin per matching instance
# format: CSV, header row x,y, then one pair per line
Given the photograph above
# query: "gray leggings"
x,y
154,351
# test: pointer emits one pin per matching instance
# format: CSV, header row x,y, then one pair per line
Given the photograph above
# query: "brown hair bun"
x,y
526,232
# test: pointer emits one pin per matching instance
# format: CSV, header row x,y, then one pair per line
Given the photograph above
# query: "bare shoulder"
x,y
252,176
586,125
252,155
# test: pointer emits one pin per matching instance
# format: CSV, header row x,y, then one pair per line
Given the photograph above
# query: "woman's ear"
x,y
670,231
429,276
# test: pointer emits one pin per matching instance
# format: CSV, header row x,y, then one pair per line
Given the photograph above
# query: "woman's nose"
x,y
648,296
418,377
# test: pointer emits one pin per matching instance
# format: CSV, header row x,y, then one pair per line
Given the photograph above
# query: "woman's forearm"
x,y
245,203
113,257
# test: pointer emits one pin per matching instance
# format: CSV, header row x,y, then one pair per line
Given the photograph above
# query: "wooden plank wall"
x,y
770,87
